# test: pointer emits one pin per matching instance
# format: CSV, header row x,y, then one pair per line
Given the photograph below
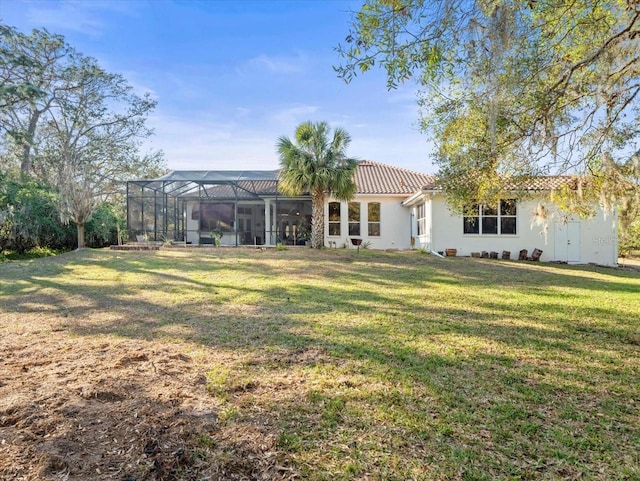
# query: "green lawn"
x,y
370,365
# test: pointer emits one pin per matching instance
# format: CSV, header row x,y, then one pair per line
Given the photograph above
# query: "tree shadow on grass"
x,y
217,292
421,345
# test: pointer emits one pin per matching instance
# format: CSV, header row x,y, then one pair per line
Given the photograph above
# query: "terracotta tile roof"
x,y
551,182
375,178
245,190
370,177
537,183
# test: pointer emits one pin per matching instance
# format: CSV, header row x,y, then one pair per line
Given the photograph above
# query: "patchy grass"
x,y
34,253
333,365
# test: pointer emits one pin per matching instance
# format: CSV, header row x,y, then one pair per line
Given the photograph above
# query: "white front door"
x,y
567,241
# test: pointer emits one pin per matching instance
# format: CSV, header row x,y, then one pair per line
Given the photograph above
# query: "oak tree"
x,y
513,89
82,132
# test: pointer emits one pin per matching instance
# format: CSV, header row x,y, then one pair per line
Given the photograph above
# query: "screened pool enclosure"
x,y
216,207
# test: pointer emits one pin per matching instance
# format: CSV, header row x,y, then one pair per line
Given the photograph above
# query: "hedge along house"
x,y
524,220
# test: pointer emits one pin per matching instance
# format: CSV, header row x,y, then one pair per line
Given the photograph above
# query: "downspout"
x,y
431,241
411,217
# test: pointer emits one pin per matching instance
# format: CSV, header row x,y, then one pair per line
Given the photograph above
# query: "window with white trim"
x,y
491,219
354,218
334,218
373,219
421,217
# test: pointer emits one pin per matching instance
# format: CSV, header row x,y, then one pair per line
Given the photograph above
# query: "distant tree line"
x,y
70,135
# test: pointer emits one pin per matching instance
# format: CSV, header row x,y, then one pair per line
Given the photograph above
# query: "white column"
x,y
267,222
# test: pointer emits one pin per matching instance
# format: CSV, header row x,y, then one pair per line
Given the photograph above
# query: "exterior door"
x,y
567,241
245,225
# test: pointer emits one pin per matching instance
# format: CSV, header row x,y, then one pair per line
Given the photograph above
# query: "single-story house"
x,y
394,208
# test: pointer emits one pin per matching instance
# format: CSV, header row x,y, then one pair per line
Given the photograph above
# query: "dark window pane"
x,y
508,207
489,225
354,228
374,229
489,210
374,211
472,210
471,225
217,216
334,228
334,211
354,211
508,225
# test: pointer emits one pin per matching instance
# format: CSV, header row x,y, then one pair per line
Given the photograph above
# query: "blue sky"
x,y
230,77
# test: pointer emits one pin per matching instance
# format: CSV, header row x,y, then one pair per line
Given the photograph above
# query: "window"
x,y
354,218
508,216
334,218
471,220
220,216
373,217
491,219
421,216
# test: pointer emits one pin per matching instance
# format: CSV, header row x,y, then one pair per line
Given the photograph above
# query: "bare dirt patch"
x,y
125,410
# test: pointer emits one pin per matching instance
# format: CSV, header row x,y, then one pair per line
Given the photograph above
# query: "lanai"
x,y
240,207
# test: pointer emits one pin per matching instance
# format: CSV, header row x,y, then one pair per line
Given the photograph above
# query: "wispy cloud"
x,y
290,117
140,87
403,95
228,143
242,112
278,64
202,143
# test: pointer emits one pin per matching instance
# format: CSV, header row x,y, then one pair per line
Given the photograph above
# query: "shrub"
x,y
29,219
103,227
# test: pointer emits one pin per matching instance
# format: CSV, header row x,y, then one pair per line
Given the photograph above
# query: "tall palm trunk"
x,y
317,219
317,164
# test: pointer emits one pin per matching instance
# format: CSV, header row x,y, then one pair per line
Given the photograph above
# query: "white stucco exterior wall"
x,y
395,223
596,237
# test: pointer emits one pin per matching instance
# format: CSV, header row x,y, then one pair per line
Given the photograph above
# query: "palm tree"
x,y
319,165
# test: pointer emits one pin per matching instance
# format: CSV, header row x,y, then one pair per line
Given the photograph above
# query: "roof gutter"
x,y
416,197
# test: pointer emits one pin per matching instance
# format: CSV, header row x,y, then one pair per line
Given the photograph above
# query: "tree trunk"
x,y
317,219
81,243
25,166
